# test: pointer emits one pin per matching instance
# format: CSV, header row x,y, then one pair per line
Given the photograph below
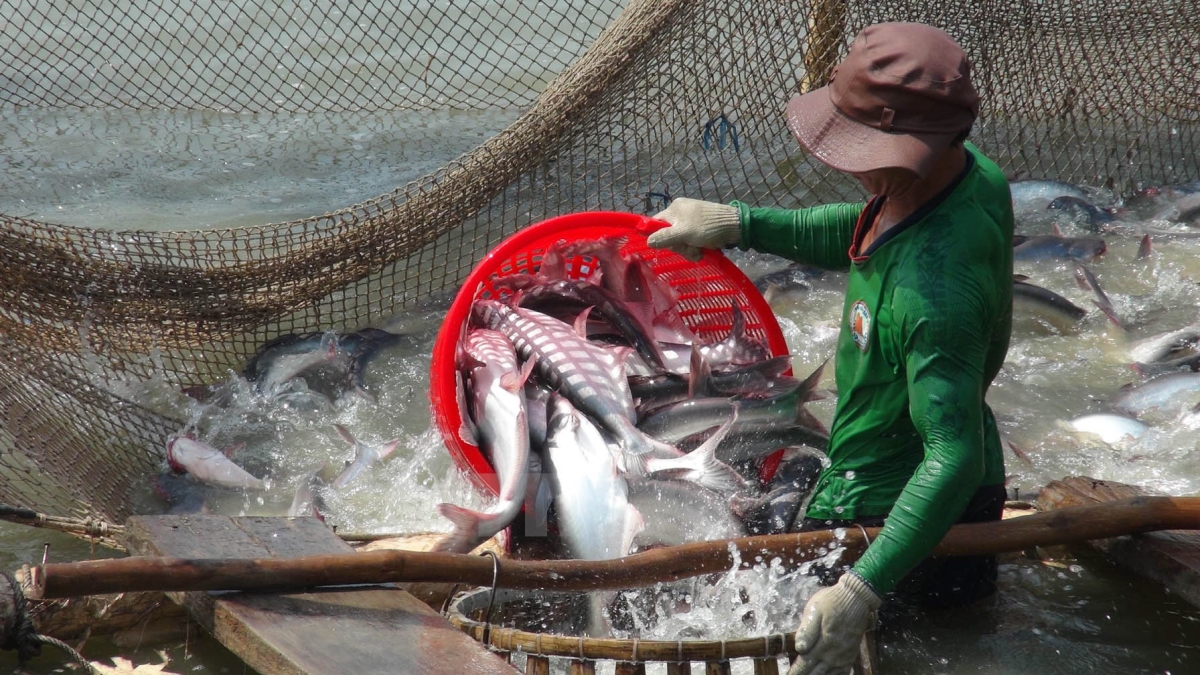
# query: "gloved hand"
x,y
835,620
696,225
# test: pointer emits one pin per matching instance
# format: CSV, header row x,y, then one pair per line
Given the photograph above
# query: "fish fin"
x,y
345,434
738,330
581,320
468,362
466,527
1020,278
1081,278
807,420
235,448
632,527
1019,454
701,465
1088,281
820,395
388,448
514,382
1057,230
809,384
1110,313
771,292
699,374
1143,251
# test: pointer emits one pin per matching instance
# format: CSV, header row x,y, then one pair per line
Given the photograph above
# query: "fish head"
x,y
1087,249
174,441
329,346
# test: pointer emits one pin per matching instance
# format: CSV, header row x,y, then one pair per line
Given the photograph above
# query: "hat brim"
x,y
850,146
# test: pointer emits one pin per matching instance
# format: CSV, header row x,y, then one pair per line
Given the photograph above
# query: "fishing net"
x,y
614,106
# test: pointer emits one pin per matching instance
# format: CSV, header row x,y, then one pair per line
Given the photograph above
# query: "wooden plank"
x,y
360,629
1171,557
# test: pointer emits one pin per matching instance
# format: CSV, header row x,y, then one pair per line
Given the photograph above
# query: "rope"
x,y
487,618
24,638
75,656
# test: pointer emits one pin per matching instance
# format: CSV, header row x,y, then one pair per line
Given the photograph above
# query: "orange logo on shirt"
x,y
860,324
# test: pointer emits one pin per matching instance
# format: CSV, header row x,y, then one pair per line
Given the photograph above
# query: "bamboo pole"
x,y
1062,526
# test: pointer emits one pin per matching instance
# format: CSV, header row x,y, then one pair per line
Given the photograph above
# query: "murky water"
x,y
1068,617
167,170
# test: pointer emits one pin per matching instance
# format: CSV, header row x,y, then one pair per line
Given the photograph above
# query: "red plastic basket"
x,y
707,289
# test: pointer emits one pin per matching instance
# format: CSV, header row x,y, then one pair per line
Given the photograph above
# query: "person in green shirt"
x,y
928,311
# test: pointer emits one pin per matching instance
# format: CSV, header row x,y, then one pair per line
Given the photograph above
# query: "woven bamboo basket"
x,y
469,612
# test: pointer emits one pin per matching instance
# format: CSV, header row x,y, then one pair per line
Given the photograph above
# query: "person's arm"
x,y
943,322
819,235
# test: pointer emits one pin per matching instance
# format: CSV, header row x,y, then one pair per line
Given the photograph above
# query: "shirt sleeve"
x,y
942,319
818,236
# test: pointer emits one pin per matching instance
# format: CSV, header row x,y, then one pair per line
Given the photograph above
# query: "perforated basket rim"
x,y
443,376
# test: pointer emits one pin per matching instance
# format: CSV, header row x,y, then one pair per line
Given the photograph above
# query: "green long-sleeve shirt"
x,y
927,317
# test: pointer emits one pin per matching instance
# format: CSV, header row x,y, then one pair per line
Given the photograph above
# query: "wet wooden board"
x,y
360,629
1171,557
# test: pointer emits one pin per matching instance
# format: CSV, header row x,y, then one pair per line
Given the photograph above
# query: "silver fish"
x,y
604,303
591,498
1036,195
208,464
1047,307
774,511
1165,345
592,377
498,405
1048,246
674,422
308,501
287,357
679,512
1108,427
1165,391
365,456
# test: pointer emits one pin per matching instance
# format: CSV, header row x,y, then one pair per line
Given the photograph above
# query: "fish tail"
x,y
701,465
466,528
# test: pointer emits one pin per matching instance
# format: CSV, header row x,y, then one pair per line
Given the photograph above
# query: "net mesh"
x,y
617,106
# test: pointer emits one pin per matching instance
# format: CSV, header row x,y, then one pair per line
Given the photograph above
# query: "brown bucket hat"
x,y
898,100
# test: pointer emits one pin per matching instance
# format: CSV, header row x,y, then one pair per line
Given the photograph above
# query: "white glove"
x,y
696,225
835,620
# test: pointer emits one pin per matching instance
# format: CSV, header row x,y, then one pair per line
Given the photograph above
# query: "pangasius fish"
x,y
679,512
208,464
676,421
330,364
498,406
1036,195
762,379
1166,346
590,376
1047,307
365,456
287,357
1092,217
774,511
1049,246
1165,392
581,295
1108,427
793,281
308,500
591,497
